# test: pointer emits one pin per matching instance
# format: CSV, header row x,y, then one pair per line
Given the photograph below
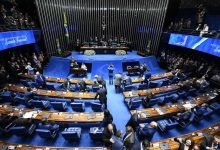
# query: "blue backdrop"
x,y
203,44
16,38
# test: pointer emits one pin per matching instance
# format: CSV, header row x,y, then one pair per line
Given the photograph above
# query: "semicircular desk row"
x,y
91,95
75,117
91,82
175,108
169,143
163,89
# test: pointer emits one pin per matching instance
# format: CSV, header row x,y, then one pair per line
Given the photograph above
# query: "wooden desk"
x,y
214,130
57,80
104,48
163,89
163,111
31,147
59,94
154,77
60,117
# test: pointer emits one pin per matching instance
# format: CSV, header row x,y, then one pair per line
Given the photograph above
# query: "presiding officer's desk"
x,y
104,48
58,94
163,89
196,136
163,111
59,117
57,80
154,77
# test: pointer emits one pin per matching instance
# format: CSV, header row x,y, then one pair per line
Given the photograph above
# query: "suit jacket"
x,y
118,144
147,132
66,85
133,122
129,140
108,135
207,141
40,80
102,93
82,86
182,145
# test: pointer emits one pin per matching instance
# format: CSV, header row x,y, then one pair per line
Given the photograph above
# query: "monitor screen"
x,y
203,44
16,38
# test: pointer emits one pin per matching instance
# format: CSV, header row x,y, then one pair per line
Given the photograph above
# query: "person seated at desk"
x,y
66,84
147,131
210,142
82,85
109,131
29,69
185,144
126,80
84,68
200,110
107,118
183,117
118,143
129,138
143,68
40,80
201,83
100,80
147,99
102,95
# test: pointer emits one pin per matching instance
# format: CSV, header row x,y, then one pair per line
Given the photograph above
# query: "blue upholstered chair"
x,y
166,124
21,99
165,82
50,87
24,82
182,94
95,88
154,84
7,96
215,106
45,133
96,133
97,107
147,75
59,105
192,92
22,130
72,134
129,88
142,86
78,107
40,104
135,104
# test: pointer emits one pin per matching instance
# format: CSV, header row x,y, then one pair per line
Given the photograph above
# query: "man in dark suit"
x,y
210,142
82,85
118,144
147,131
40,80
23,122
133,122
129,138
66,84
102,95
109,131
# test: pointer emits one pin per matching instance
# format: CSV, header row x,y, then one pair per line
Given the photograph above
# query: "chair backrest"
x,y
19,130
154,101
165,82
95,89
59,105
39,103
44,133
24,82
143,86
97,107
135,104
79,107
50,87
129,88
72,133
7,96
153,84
96,133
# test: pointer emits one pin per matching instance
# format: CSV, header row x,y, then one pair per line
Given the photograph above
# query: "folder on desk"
x,y
164,146
45,116
68,116
91,116
9,110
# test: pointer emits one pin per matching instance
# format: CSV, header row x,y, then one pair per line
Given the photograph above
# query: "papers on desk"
x,y
9,110
92,94
91,116
164,146
130,93
11,147
145,114
161,111
45,116
31,114
68,116
189,106
75,94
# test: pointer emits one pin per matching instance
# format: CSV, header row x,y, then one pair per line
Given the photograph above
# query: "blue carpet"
x,y
101,68
57,67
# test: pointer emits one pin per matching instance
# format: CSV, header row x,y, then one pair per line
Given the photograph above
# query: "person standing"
x,y
110,73
102,95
